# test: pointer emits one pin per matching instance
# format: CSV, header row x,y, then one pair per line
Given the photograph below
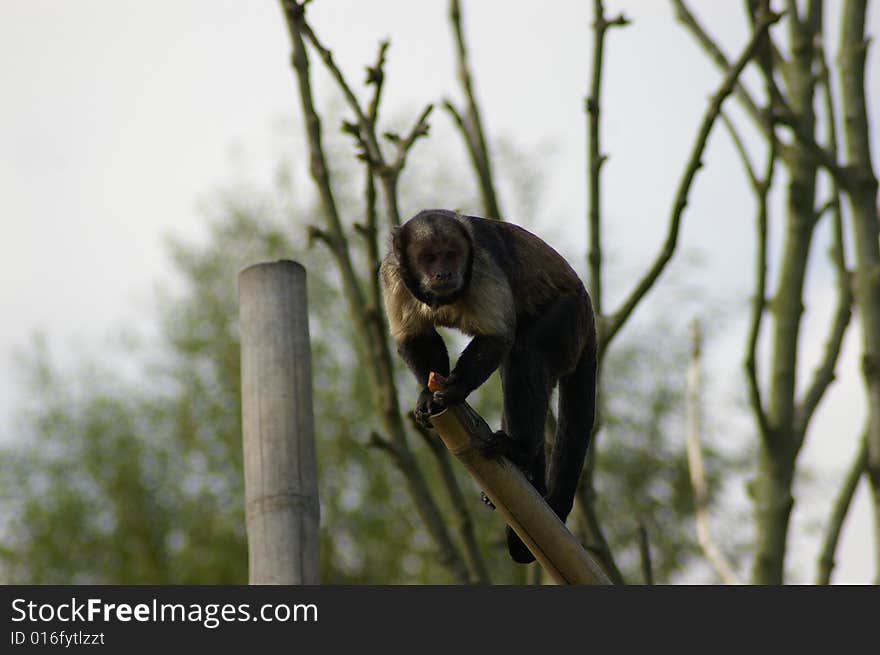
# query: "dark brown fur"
x,y
529,314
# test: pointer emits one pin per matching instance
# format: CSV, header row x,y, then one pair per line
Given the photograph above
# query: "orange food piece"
x,y
436,382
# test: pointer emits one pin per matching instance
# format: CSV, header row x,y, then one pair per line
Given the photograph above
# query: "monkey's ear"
x,y
397,243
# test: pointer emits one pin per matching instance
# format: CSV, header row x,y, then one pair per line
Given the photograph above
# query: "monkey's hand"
x,y
452,392
425,406
441,393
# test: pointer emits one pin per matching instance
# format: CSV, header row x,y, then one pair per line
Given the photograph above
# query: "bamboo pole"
x,y
281,490
521,506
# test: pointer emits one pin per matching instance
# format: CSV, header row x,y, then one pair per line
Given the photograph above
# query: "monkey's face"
x,y
439,264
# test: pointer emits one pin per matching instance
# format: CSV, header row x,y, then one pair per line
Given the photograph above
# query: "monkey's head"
x,y
435,255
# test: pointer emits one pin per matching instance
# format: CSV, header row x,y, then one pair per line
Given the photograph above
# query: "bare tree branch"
x,y
464,520
319,169
791,9
695,464
377,441
374,334
779,447
645,554
759,298
366,123
352,99
826,207
761,187
471,125
784,114
824,373
741,150
472,150
686,18
594,152
863,200
376,77
593,534
463,515
371,236
693,165
839,511
365,134
419,129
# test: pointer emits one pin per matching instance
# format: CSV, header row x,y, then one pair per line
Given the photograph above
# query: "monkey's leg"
x,y
527,389
577,409
547,347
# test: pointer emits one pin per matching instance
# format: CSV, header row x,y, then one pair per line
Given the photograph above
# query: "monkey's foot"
x,y
486,500
500,444
519,552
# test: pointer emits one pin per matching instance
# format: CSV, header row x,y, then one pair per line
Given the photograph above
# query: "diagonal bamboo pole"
x,y
522,507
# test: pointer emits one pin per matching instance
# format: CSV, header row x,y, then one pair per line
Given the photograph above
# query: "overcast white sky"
x,y
118,118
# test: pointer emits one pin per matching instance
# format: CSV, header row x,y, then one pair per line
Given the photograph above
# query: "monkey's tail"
x,y
577,411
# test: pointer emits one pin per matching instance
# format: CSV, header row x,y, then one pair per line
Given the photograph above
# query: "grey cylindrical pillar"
x,y
280,470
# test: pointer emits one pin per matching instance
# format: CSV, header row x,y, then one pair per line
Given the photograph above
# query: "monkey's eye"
x,y
451,254
429,258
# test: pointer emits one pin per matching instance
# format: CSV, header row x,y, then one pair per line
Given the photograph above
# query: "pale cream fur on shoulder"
x,y
472,314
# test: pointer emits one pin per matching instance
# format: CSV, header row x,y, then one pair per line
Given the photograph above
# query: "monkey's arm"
x,y
478,361
425,353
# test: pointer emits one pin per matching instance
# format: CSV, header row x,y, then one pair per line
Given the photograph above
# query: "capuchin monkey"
x,y
528,313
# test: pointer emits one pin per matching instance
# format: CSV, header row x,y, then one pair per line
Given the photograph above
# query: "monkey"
x,y
528,314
